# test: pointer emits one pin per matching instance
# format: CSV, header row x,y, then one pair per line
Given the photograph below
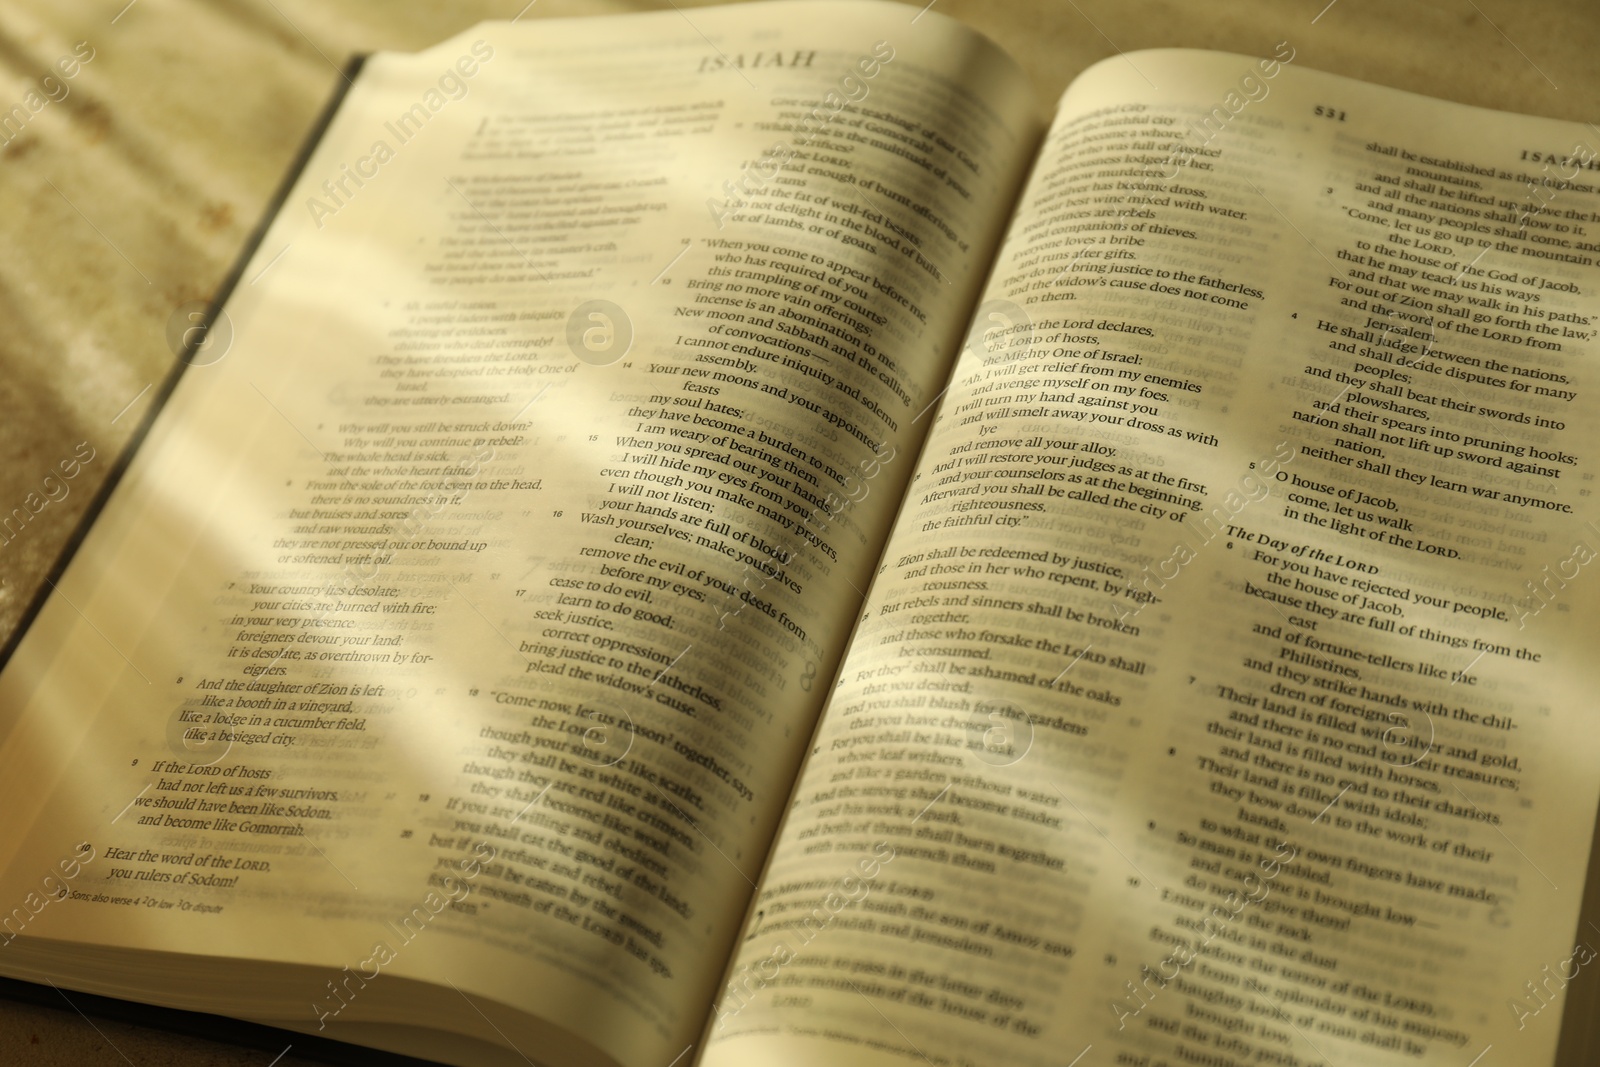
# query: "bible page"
x,y
463,617
1222,696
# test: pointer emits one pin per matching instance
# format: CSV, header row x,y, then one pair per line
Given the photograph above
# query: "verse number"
x,y
809,677
1328,113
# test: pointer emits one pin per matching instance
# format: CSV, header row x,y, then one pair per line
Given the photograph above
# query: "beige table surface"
x,y
133,196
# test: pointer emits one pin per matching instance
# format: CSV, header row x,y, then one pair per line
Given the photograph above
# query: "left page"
x,y
463,615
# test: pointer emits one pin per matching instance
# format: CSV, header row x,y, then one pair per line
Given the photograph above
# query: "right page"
x,y
1223,696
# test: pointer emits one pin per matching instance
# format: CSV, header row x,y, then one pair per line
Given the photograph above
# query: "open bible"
x,y
736,539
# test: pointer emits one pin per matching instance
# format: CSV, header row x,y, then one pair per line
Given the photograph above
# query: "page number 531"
x,y
1328,113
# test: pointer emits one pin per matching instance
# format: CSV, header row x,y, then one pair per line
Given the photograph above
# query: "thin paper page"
x,y
465,619
1224,697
